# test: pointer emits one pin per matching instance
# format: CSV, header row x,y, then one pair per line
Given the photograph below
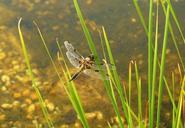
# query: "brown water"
x,y
58,19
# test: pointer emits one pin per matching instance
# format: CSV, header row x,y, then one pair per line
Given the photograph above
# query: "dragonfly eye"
x,y
91,57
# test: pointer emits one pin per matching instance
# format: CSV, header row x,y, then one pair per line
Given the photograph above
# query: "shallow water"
x,y
58,19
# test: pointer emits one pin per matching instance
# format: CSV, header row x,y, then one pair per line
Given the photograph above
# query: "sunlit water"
x,y
58,19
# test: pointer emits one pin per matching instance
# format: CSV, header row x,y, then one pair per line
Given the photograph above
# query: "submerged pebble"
x,y
50,105
2,55
28,101
5,78
77,124
17,95
26,93
94,115
33,96
2,117
99,115
3,88
88,2
6,106
16,103
31,109
64,126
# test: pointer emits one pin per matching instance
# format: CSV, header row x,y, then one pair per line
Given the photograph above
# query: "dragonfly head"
x,y
87,58
91,57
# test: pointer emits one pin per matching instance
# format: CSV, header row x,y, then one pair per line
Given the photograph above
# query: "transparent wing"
x,y
69,46
94,73
72,54
73,58
102,66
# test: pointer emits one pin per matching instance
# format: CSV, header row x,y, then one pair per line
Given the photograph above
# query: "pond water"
x,y
58,19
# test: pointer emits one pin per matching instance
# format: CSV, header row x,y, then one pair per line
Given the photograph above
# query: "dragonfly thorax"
x,y
88,59
86,63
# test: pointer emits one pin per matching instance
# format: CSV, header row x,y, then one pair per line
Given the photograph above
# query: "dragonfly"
x,y
84,65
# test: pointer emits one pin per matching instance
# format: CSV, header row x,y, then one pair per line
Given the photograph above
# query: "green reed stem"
x,y
150,56
116,76
154,69
113,98
34,85
173,96
160,92
140,15
138,81
180,104
129,94
173,36
175,19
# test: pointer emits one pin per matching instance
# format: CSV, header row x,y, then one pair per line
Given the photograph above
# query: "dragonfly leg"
x,y
74,76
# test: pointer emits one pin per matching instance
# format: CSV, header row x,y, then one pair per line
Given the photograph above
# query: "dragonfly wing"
x,y
94,73
74,76
69,46
73,58
103,67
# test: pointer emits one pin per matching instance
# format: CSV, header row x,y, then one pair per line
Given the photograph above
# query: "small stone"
x,y
88,2
168,51
6,106
2,117
5,78
16,67
16,103
99,115
167,115
77,125
31,109
90,115
17,95
49,105
36,71
19,78
23,105
29,116
45,83
26,93
33,96
23,79
36,123
64,126
133,20
140,62
14,62
28,101
2,55
17,124
3,88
